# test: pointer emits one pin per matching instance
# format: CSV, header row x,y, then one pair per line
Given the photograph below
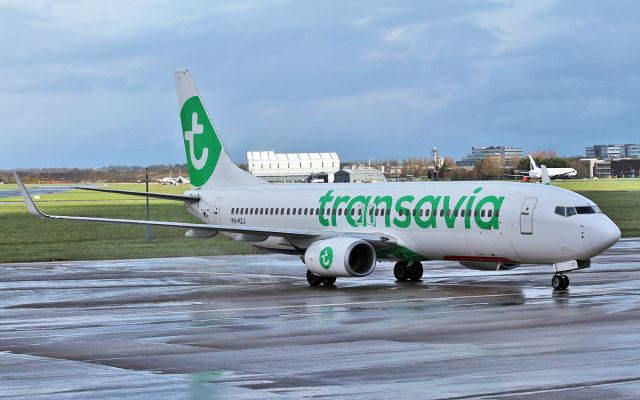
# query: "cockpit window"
x,y
570,211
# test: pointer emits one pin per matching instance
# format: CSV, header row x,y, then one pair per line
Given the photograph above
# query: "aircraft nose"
x,y
604,235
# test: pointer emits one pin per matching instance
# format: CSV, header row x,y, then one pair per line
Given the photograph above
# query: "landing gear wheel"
x,y
400,271
415,271
329,280
313,279
565,282
560,281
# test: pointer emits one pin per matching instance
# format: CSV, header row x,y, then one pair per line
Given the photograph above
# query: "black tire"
x,y
415,271
313,279
400,271
329,280
556,282
565,282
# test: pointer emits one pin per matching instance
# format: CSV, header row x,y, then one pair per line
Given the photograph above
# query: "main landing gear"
x,y
317,280
560,281
404,270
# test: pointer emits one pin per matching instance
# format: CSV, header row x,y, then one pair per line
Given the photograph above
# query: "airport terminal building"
x,y
613,151
293,167
507,156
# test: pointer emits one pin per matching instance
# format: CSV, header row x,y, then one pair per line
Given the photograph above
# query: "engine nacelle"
x,y
340,257
488,266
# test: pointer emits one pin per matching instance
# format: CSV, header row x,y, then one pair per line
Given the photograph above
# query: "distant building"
x,y
613,151
625,168
293,167
507,156
360,175
598,168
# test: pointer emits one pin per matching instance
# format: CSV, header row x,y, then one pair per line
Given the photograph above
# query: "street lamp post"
x,y
148,227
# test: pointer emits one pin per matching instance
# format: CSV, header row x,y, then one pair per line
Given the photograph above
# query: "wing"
x,y
378,240
165,196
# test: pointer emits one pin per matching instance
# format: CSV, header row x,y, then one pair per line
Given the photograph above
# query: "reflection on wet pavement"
x,y
250,327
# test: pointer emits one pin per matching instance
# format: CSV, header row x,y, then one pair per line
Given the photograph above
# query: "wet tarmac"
x,y
249,327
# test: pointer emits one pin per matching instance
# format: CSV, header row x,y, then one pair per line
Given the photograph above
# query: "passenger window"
x,y
482,213
294,211
427,212
246,211
306,211
282,211
388,211
560,211
359,211
475,213
277,211
442,212
299,211
489,212
455,213
497,213
340,211
288,211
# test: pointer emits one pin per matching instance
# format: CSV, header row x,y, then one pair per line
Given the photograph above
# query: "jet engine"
x,y
488,266
348,257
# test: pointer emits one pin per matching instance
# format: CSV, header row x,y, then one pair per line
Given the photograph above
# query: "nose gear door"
x,y
526,215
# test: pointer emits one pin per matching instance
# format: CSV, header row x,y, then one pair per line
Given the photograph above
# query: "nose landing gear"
x,y
560,281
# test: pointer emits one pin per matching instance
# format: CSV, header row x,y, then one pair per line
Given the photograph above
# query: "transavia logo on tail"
x,y
200,141
326,257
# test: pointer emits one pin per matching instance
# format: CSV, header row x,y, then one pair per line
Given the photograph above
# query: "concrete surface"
x,y
249,327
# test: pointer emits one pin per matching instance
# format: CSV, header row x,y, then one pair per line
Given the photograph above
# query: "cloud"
x,y
362,78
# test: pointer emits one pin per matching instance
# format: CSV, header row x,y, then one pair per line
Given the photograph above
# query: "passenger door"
x,y
526,215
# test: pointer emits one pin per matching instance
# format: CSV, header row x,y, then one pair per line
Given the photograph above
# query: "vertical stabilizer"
x,y
208,161
532,163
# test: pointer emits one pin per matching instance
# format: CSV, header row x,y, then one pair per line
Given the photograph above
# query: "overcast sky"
x,y
89,84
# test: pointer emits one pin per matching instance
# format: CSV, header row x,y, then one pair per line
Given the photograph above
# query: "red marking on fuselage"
x,y
479,259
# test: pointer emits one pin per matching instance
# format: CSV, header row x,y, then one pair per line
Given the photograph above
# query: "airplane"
x,y
343,229
173,181
536,173
168,180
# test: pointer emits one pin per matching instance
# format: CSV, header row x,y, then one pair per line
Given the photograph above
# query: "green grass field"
x,y
25,238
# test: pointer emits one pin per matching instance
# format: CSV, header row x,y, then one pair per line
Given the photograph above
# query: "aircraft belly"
x,y
441,244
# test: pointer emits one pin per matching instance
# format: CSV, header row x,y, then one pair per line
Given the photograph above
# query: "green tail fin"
x,y
208,161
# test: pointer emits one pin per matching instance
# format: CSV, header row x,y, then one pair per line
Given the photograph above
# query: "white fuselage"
x,y
465,227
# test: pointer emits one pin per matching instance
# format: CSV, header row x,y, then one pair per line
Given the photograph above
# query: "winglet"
x,y
545,175
31,206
